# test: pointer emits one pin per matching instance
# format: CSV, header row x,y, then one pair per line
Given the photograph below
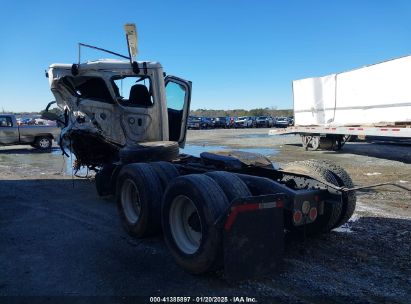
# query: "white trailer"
x,y
374,100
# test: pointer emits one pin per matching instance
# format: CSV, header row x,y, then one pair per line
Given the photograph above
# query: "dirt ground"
x,y
58,238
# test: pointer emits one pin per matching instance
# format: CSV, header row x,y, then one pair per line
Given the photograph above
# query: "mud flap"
x,y
253,237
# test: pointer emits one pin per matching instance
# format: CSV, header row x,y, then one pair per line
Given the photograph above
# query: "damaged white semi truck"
x,y
127,119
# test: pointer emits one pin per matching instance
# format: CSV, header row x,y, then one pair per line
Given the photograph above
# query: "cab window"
x,y
133,91
5,121
86,87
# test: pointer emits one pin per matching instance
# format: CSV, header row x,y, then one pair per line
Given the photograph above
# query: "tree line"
x,y
242,112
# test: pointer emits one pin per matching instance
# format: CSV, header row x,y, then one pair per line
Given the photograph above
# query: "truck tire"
x,y
332,212
139,192
149,151
165,171
43,143
344,180
231,184
191,205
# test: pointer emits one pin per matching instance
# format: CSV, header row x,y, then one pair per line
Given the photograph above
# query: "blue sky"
x,y
239,54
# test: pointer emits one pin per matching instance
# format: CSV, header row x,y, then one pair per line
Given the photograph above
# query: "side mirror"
x,y
47,114
50,116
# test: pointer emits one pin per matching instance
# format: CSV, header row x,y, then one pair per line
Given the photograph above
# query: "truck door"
x,y
178,95
9,133
139,107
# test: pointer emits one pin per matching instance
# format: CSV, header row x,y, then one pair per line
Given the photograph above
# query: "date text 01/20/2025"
x,y
240,299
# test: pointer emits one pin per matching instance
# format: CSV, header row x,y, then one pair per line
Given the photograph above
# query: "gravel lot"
x,y
58,238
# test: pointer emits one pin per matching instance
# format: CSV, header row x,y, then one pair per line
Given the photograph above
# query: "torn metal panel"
x,y
103,112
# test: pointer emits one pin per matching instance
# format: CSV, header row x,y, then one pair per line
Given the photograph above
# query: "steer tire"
x,y
149,151
231,184
165,171
344,180
138,193
332,211
191,206
43,143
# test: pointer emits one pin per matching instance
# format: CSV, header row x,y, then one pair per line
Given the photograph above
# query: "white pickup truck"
x,y
40,137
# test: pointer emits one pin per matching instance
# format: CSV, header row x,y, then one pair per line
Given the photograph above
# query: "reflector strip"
x,y
236,210
249,207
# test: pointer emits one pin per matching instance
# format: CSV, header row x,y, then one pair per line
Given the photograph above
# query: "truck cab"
x,y
9,133
113,104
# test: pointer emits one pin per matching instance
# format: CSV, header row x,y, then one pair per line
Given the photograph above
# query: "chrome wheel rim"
x,y
185,224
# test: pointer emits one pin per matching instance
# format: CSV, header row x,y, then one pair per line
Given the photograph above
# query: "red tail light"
x,y
297,217
313,213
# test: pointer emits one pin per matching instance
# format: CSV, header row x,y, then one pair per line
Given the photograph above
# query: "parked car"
x,y
281,122
231,123
40,137
206,123
199,123
254,121
26,121
194,122
44,122
221,122
243,122
264,122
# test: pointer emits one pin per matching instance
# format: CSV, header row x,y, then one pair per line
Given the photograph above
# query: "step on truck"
x,y
372,102
127,119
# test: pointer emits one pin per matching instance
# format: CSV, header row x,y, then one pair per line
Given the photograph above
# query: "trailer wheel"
x,y
191,205
43,143
149,151
139,193
310,141
231,184
344,180
165,171
332,212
